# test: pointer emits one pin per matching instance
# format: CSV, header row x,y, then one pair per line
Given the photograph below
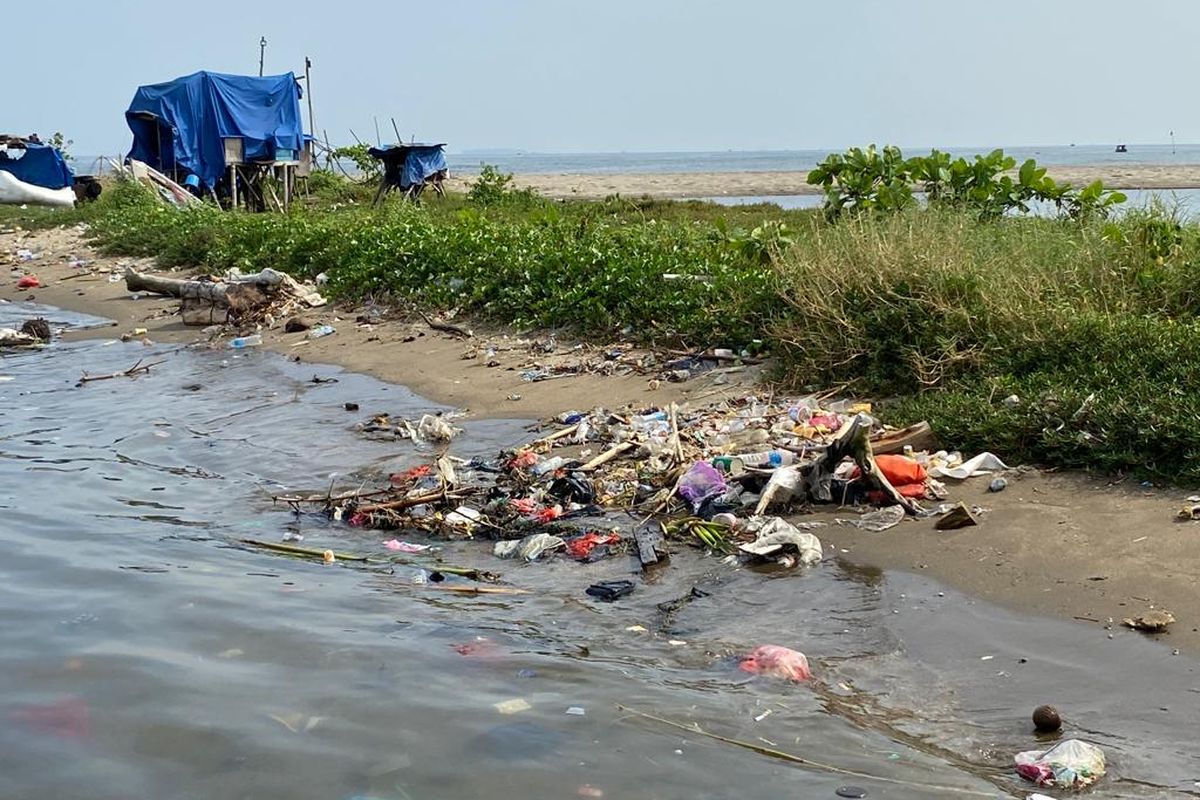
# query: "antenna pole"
x,y
262,49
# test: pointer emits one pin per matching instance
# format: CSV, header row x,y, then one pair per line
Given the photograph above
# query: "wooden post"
x,y
312,126
233,186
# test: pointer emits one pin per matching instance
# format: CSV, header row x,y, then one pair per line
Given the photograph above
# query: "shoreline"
x,y
1069,546
683,185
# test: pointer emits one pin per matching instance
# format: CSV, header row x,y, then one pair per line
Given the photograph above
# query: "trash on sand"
x,y
608,591
776,661
850,791
321,330
958,517
29,282
512,706
774,536
576,711
1070,764
880,520
1152,621
1046,719
998,485
241,342
701,482
981,464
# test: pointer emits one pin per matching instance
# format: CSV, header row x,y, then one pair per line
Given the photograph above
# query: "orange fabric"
x,y
899,470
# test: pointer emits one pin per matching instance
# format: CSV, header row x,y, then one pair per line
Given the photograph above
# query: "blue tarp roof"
x,y
414,162
40,165
180,124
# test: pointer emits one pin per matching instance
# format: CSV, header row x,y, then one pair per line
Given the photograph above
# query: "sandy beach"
x,y
1067,545
753,184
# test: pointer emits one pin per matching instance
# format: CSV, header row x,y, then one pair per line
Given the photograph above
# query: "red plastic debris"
x,y
548,514
523,505
29,282
409,475
777,662
523,460
582,546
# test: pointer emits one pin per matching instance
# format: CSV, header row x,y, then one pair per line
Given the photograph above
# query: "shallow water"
x,y
147,653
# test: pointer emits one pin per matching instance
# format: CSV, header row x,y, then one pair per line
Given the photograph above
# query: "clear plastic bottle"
x,y
241,342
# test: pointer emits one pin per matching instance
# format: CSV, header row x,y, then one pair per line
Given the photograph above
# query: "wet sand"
x,y
753,184
1060,545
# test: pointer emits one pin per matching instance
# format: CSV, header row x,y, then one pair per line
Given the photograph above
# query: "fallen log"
x,y
214,291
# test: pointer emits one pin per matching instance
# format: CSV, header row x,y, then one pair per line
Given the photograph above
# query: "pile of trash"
x,y
232,298
32,333
717,477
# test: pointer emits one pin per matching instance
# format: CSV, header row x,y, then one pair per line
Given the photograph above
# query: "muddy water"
x,y
145,652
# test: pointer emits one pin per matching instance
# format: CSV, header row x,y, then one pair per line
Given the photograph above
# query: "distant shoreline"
x,y
676,185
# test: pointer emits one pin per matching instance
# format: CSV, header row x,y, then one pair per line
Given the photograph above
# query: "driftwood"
x,y
919,437
136,369
214,291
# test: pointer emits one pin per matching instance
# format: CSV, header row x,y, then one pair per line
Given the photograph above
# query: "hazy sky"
x,y
562,76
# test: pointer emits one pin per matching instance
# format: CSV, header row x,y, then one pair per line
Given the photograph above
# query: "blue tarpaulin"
x,y
39,164
411,163
179,126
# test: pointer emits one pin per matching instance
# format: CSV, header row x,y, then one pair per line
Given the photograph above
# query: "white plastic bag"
x,y
17,192
981,464
1070,764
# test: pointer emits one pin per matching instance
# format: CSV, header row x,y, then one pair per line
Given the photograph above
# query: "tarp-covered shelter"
x,y
35,163
182,126
408,167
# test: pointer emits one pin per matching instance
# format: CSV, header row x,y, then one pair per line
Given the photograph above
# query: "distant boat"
x,y
1122,148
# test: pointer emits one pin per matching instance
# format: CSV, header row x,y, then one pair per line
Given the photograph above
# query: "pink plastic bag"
x,y
777,662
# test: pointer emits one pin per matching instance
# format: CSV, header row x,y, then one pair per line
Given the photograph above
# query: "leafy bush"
x,y
883,180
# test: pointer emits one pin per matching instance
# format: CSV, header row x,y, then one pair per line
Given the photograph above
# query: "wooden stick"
x,y
411,502
453,330
136,369
675,434
554,437
608,455
294,550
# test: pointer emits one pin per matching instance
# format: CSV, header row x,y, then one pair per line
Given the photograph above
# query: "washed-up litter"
x,y
777,662
957,517
1152,621
726,477
982,464
405,547
878,521
608,591
1071,764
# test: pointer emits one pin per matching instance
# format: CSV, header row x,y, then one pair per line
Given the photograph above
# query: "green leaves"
x,y
872,180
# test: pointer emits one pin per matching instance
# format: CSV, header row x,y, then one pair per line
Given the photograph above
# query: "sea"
x,y
540,163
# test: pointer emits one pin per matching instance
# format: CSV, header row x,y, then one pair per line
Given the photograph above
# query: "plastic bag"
x,y
981,464
1071,764
700,482
777,662
775,535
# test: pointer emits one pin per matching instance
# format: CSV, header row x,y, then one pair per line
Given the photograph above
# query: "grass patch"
x,y
1092,323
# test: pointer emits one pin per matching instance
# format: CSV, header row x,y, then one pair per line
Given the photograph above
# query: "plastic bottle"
x,y
549,465
246,341
768,459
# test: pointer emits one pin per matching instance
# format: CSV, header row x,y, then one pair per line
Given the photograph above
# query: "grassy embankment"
x,y
1092,324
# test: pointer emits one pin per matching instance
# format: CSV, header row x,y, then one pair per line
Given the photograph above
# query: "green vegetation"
x,y
884,180
942,311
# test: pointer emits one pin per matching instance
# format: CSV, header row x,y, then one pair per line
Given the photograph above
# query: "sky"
x,y
635,75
